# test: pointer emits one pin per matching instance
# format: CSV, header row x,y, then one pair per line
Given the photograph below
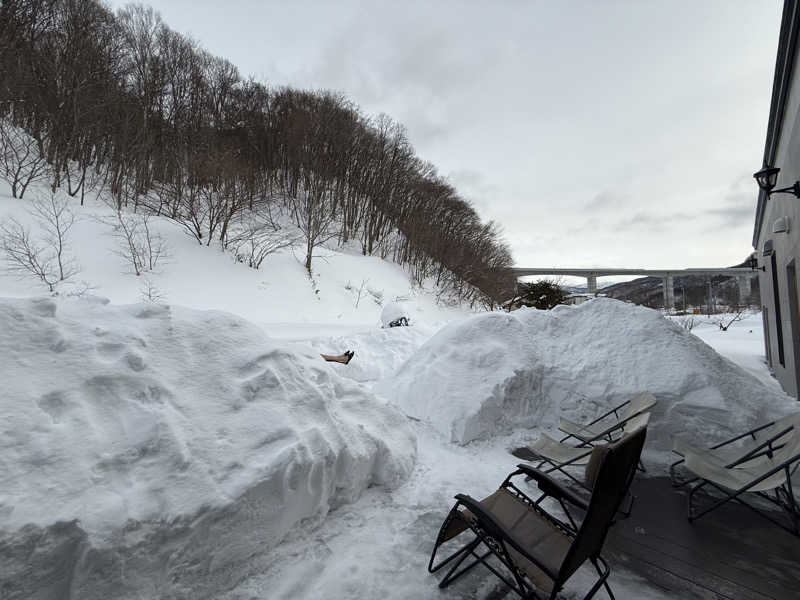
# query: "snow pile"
x,y
149,451
392,312
495,372
379,353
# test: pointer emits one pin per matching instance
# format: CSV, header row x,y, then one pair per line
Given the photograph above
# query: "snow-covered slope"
x,y
347,291
494,372
162,448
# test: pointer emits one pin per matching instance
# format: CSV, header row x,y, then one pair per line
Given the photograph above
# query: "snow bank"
x,y
151,451
379,353
391,312
495,372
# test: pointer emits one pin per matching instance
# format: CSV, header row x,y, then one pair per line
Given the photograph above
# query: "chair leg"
x,y
727,496
602,581
792,508
627,511
465,552
440,539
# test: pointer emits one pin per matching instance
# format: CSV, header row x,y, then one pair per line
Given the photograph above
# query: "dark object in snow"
x,y
340,358
393,315
539,550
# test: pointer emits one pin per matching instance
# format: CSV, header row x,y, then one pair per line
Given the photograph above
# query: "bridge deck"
x,y
603,272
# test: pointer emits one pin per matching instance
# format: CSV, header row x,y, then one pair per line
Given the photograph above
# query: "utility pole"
x,y
708,300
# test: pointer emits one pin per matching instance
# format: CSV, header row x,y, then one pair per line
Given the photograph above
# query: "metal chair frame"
x,y
586,542
498,539
783,494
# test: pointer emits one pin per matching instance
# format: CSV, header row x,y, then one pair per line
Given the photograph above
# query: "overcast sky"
x,y
596,133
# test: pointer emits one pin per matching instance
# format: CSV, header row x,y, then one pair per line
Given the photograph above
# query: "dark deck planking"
x,y
730,553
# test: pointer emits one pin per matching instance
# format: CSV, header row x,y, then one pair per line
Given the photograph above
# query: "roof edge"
x,y
781,84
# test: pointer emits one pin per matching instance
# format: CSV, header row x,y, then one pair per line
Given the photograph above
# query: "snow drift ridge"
x,y
145,448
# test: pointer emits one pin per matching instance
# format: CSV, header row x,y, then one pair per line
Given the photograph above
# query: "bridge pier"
x,y
669,292
591,283
745,288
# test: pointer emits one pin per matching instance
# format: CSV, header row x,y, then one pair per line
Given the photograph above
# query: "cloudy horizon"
x,y
615,134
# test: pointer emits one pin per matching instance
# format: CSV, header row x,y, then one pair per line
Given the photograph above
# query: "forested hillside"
x,y
93,100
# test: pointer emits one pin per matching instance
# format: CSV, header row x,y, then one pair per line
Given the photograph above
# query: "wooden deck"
x,y
731,553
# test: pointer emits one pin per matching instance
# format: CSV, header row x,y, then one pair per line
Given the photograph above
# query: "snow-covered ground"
x,y
200,447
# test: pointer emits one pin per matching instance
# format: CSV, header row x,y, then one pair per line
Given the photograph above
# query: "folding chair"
x,y
741,448
536,550
557,456
603,427
765,470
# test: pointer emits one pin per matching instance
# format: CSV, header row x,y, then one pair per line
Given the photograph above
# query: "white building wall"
x,y
786,246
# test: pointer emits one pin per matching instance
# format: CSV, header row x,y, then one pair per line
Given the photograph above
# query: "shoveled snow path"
x,y
379,546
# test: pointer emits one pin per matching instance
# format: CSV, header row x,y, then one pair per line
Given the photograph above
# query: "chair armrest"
x,y
553,487
743,435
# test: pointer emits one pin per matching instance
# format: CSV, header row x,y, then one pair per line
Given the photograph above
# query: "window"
x,y
778,323
765,321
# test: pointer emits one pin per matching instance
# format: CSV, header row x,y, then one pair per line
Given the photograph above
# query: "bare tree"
x,y
44,256
139,246
252,240
20,161
55,220
25,256
316,221
724,323
360,292
149,292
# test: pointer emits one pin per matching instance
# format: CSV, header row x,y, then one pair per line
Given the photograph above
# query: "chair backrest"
x,y
789,442
634,423
638,404
614,477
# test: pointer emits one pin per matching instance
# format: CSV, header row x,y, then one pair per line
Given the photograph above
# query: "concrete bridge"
x,y
743,276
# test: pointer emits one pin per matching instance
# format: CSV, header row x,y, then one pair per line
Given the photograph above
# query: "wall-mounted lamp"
x,y
768,248
753,263
768,177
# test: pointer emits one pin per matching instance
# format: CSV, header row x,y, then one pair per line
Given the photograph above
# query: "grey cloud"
x,y
605,200
544,132
733,216
474,186
414,72
652,222
738,206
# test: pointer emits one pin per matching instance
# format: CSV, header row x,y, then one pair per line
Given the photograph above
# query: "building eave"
x,y
782,82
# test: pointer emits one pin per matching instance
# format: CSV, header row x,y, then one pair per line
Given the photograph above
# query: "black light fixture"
x,y
768,177
753,263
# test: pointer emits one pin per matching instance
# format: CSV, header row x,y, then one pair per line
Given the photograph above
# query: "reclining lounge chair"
x,y
605,427
764,467
733,451
534,549
557,456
